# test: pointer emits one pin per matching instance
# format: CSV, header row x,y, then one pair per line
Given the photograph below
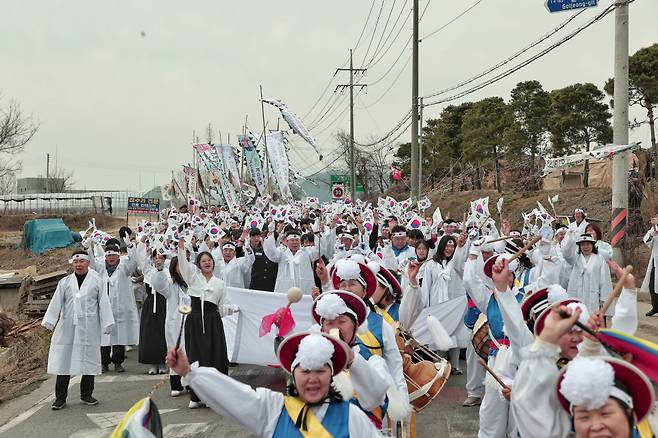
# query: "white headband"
x,y
75,257
110,252
400,234
229,246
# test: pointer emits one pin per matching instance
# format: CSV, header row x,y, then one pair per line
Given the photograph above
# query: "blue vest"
x,y
336,421
471,316
375,321
495,320
525,280
394,311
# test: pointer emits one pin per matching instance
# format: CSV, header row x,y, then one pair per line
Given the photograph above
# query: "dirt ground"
x,y
23,362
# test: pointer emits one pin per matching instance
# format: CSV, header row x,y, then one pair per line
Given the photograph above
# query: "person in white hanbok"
x,y
79,313
650,279
231,269
602,247
442,282
115,272
311,406
295,264
204,331
170,284
590,277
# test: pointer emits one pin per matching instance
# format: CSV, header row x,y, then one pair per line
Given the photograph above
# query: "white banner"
x,y
241,329
600,153
227,156
252,161
276,151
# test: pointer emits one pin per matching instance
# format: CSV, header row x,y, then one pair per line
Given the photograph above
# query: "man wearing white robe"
x,y
115,273
295,263
79,312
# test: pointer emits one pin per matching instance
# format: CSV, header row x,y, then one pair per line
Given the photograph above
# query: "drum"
x,y
425,380
480,339
418,352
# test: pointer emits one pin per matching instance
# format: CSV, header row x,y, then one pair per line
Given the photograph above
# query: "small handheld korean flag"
x,y
255,221
312,201
424,203
214,232
480,207
416,222
437,217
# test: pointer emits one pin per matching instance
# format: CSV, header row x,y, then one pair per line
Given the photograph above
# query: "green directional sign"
x,y
345,179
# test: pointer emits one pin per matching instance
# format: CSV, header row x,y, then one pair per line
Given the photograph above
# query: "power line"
x,y
374,31
511,58
397,19
388,19
526,62
451,21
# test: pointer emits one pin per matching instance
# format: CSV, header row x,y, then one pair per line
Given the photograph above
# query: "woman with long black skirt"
x,y
204,331
152,344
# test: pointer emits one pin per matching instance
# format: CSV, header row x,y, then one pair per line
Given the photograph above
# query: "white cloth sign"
x,y
242,329
276,151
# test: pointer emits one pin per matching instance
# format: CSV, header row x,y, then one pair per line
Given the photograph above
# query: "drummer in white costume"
x,y
116,272
79,312
311,408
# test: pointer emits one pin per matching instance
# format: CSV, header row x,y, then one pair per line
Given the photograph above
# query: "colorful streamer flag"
x,y
276,151
141,421
282,318
227,156
480,207
191,178
253,163
295,124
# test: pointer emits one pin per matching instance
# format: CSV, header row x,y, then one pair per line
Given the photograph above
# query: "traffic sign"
x,y
568,5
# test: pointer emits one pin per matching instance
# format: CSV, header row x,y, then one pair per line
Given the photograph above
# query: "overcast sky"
x,y
118,87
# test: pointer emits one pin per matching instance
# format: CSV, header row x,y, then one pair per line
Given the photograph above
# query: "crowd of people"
x,y
541,289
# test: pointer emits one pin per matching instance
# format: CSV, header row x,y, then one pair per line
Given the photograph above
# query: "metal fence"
x,y
115,203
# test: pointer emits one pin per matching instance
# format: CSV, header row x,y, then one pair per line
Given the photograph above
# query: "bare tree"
x,y
59,181
16,130
8,183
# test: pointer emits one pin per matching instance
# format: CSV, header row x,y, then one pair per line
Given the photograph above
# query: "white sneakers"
x,y
175,393
195,405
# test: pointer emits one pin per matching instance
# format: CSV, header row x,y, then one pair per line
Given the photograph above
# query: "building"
x,y
27,186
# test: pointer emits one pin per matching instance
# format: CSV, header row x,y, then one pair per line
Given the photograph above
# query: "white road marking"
x,y
38,405
106,420
184,430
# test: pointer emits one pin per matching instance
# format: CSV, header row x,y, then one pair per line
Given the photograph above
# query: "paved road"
x,y
31,417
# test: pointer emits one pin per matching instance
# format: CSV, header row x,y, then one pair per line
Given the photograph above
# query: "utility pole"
x,y
420,151
415,175
47,173
620,133
351,87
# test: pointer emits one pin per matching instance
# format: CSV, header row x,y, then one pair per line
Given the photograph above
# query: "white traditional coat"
x,y
161,281
652,242
119,287
295,270
79,316
590,276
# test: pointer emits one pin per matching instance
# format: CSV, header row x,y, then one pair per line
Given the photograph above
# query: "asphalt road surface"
x,y
30,416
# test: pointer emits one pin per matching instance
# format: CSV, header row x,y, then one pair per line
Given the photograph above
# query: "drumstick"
x,y
486,218
527,246
464,221
499,239
616,291
493,374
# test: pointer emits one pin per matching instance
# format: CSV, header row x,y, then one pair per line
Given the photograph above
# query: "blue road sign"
x,y
568,5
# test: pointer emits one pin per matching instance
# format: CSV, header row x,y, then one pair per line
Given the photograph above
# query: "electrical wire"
x,y
374,31
519,66
451,21
381,38
509,59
